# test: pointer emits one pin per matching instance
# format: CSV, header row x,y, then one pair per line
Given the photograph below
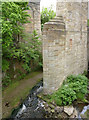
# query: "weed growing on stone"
x,y
73,88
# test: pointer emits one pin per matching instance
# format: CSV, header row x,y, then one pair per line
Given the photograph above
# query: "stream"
x,y
33,107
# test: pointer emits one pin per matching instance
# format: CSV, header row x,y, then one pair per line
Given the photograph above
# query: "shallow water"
x,y
33,107
84,113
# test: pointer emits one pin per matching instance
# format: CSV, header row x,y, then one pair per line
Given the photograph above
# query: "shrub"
x,y
67,95
80,95
6,81
78,83
63,96
5,65
74,87
14,16
26,67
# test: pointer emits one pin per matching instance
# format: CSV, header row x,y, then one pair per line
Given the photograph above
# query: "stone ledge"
x,y
54,26
57,111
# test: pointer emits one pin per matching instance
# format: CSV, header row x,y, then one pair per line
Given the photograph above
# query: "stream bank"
x,y
17,92
76,110
35,107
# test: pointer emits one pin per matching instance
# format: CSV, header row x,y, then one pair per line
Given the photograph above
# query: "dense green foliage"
x,y
6,80
46,15
28,52
75,87
13,16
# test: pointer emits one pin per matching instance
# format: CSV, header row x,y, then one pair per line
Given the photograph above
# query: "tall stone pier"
x,y
35,21
35,17
65,44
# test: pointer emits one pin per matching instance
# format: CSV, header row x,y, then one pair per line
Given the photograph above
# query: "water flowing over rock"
x,y
85,112
32,107
35,107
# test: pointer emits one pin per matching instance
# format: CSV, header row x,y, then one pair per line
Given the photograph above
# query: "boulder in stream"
x,y
75,114
69,110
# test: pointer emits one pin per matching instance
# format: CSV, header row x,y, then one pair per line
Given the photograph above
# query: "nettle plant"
x,y
78,84
73,88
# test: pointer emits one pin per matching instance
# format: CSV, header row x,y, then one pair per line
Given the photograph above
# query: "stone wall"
x,y
65,44
35,22
35,18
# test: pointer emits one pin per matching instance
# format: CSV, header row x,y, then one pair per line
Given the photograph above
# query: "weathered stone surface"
x,y
64,44
49,110
52,110
69,110
75,114
35,19
62,115
59,109
88,44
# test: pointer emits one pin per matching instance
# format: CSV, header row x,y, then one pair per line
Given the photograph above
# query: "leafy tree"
x,y
46,15
14,16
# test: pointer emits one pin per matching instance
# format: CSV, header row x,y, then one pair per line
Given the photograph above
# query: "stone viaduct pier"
x,y
65,44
